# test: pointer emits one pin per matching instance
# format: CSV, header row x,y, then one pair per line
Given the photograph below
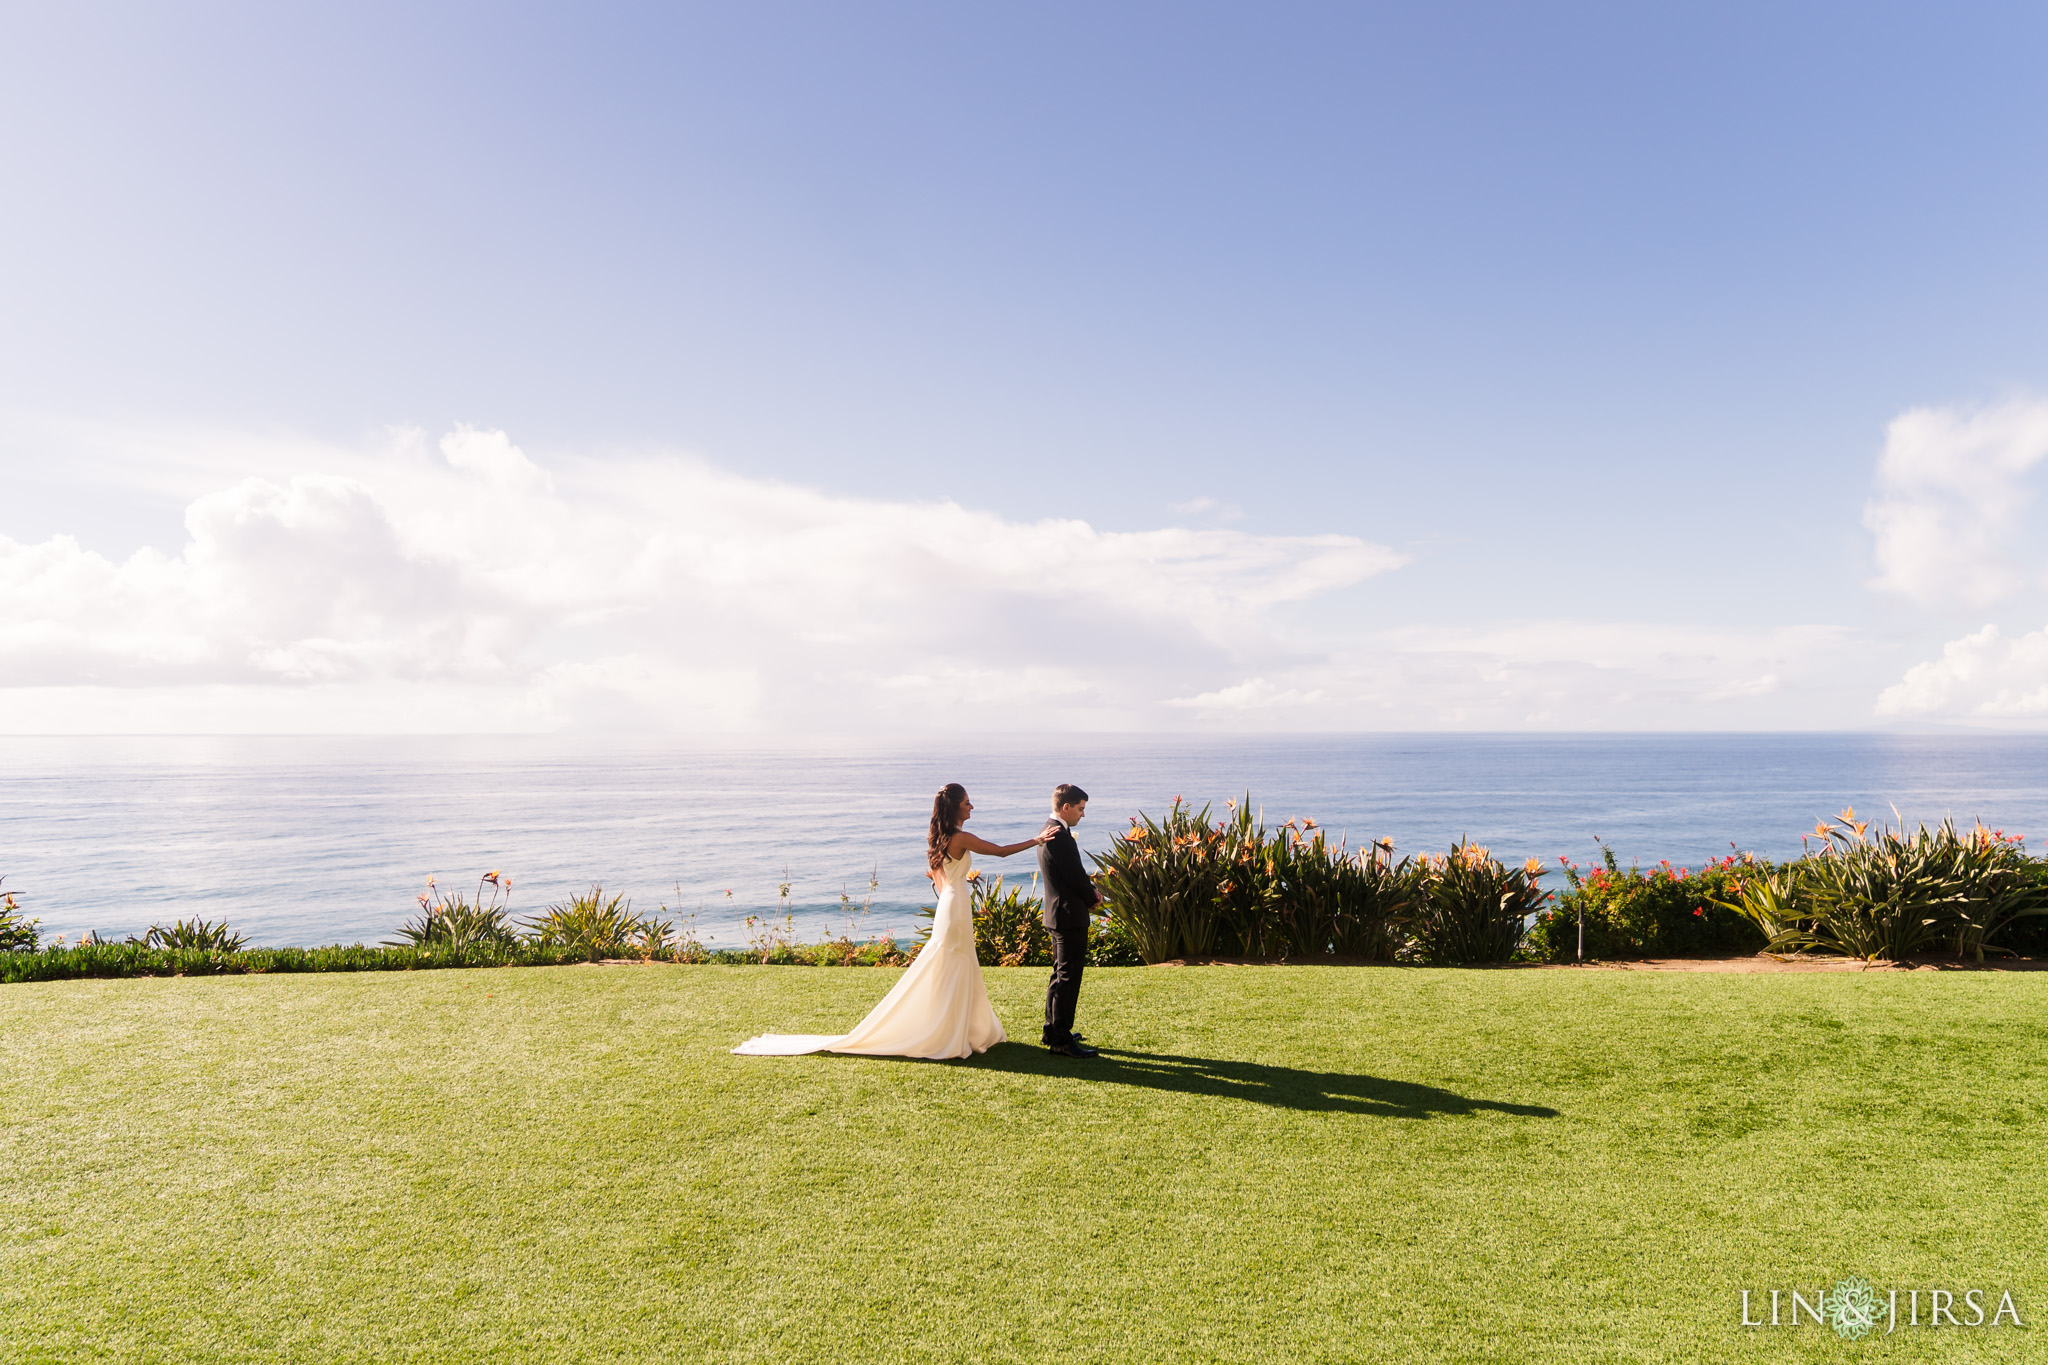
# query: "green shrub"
x,y
1890,895
849,952
1009,930
1160,880
2028,935
17,935
838,952
1009,926
1289,894
1665,912
1109,946
1468,907
1336,903
135,959
1251,874
1184,887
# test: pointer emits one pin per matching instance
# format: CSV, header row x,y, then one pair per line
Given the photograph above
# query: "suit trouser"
x,y
1069,956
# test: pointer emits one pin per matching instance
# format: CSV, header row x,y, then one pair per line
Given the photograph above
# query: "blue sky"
x,y
1496,366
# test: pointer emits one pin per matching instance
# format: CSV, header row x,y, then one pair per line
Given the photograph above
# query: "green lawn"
x,y
1288,1164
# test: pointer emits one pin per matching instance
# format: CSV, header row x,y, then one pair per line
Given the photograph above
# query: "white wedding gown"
x,y
938,1008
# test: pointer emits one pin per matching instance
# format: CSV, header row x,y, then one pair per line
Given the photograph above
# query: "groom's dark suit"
x,y
1069,903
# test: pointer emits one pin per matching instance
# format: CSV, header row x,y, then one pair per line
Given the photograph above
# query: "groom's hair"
x,y
1067,794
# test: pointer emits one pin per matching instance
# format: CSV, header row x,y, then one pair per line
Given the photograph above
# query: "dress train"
x,y
938,1008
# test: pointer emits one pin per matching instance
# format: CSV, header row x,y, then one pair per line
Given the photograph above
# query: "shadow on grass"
x,y
1285,1087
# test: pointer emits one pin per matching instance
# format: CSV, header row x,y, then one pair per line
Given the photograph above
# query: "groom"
x,y
1070,901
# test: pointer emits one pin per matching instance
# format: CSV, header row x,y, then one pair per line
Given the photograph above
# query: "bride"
x,y
939,1007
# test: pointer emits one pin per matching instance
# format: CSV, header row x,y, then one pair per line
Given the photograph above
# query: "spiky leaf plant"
x,y
1159,878
458,923
1182,886
193,933
1887,895
1341,903
592,923
1769,897
1471,908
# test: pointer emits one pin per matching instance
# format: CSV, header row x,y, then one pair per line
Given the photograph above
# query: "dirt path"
x,y
1759,962
1764,963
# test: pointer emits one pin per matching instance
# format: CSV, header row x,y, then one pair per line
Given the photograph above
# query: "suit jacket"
x,y
1069,894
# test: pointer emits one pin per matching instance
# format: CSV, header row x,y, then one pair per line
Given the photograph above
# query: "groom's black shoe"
x,y
1073,1048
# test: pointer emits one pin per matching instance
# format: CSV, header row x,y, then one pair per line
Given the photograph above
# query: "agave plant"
x,y
458,923
599,926
1471,908
193,933
654,936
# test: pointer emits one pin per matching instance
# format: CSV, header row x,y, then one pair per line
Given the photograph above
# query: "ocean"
x,y
327,840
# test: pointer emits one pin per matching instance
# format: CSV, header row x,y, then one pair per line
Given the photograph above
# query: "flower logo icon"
x,y
1852,1308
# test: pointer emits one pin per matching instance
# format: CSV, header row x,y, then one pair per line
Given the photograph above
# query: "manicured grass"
x,y
1286,1164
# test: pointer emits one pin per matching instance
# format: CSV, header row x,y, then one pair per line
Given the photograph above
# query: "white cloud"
x,y
1213,507
1555,675
1952,515
1951,503
1253,694
1984,675
1750,687
469,588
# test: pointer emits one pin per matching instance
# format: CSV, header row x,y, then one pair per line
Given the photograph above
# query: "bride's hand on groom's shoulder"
x,y
1048,834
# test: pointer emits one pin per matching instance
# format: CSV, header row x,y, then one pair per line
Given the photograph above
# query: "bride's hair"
x,y
945,822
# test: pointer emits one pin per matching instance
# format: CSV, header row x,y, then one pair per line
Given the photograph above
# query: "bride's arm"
x,y
965,842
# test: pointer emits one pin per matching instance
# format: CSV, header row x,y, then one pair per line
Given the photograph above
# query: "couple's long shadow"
x,y
1285,1087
